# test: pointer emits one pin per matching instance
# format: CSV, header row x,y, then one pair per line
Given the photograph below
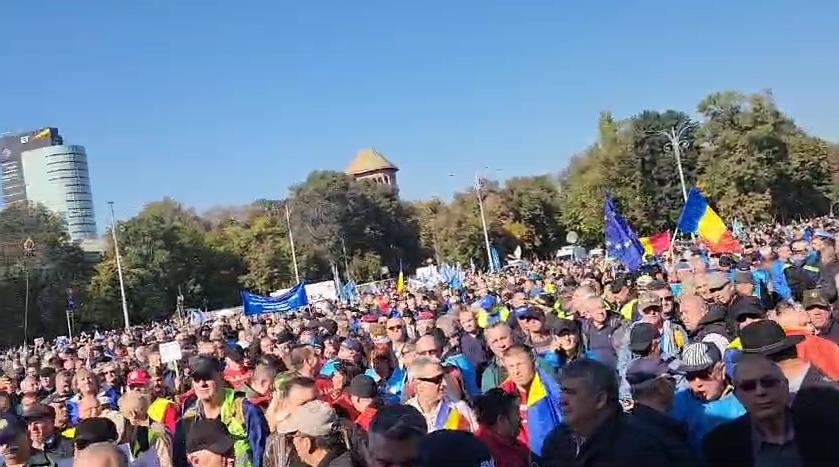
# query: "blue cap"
x,y
10,428
821,233
488,302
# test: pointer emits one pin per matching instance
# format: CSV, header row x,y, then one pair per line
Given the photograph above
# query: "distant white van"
x,y
572,252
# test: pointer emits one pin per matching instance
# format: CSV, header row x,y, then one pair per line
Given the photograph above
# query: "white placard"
x,y
39,341
170,352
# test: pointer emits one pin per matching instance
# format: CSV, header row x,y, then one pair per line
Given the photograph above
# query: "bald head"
x,y
100,455
693,308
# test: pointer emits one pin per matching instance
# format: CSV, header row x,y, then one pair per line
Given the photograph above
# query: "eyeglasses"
x,y
717,289
651,310
395,328
702,374
767,382
435,380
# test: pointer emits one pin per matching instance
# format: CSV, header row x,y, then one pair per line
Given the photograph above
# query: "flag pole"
x,y
291,241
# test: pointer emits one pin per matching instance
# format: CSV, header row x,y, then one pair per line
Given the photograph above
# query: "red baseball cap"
x,y
138,377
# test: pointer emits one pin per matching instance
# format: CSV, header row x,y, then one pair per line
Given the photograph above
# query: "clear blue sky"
x,y
220,102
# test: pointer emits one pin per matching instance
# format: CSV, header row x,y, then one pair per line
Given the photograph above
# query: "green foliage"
x,y
54,266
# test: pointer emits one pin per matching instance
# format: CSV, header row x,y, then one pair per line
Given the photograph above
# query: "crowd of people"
x,y
695,359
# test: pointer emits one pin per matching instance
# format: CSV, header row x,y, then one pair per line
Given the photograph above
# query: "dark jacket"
x,y
670,434
615,443
801,279
712,323
827,282
730,445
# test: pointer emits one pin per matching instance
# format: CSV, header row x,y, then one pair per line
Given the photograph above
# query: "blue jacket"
x,y
391,390
470,376
779,280
702,417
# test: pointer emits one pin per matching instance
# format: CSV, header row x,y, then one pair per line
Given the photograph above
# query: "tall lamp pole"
x,y
119,265
28,252
484,222
675,135
291,241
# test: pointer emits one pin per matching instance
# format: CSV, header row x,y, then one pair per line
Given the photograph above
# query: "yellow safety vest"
x,y
626,310
483,316
233,417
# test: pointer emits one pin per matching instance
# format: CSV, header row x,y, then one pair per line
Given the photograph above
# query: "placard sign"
x,y
170,352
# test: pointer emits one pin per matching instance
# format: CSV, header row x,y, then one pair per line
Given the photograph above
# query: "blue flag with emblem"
x,y
621,241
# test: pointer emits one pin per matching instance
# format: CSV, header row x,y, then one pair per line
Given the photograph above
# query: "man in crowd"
x,y
704,324
364,397
244,421
603,332
595,431
652,386
427,376
315,436
394,437
538,394
708,401
40,421
210,444
821,315
765,436
499,426
800,275
767,338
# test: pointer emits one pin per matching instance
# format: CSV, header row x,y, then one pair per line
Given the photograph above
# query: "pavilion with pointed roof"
x,y
371,165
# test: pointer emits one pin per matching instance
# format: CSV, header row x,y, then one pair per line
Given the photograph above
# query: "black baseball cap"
x,y
204,368
38,412
642,336
210,435
645,369
95,430
562,325
363,386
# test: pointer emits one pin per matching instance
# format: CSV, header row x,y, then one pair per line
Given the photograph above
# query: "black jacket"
x,y
827,282
730,445
712,323
616,443
799,280
671,435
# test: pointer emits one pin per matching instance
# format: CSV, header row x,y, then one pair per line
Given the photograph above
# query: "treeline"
x,y
750,159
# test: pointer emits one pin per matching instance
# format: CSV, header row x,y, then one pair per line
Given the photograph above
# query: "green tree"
x,y
54,266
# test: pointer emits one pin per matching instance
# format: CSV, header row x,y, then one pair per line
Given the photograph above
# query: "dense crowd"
x,y
695,359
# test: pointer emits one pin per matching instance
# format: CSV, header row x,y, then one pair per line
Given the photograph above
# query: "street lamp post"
x,y
484,223
28,252
119,265
675,136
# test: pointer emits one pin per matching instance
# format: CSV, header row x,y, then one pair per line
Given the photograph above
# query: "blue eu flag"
x,y
621,241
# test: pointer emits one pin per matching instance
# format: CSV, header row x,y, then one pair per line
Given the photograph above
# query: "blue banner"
x,y
293,299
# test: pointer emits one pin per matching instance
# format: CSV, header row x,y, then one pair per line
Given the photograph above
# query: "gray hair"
x,y
598,376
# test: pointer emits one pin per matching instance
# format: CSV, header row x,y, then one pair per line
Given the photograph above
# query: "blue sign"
x,y
293,299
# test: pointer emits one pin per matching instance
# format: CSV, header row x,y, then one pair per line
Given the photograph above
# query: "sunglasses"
x,y
767,382
651,310
717,289
704,374
395,328
435,380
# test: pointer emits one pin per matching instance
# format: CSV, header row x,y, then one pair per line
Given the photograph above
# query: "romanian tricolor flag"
x,y
542,408
656,244
698,217
449,418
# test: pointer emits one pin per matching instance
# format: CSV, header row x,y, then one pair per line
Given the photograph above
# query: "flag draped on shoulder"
x,y
621,241
543,414
656,244
698,218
